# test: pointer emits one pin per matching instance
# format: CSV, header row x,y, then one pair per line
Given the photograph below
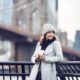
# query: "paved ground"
x,y
19,78
12,78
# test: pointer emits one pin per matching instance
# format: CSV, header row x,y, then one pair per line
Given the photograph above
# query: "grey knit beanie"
x,y
47,27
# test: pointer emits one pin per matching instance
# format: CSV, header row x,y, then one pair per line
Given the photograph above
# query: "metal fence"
x,y
18,69
69,70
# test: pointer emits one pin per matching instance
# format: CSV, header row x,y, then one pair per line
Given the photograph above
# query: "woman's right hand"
x,y
37,58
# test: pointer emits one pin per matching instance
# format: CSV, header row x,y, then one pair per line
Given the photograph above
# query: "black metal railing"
x,y
15,70
69,70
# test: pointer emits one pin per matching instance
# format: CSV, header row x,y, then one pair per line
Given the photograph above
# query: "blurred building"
x,y
37,12
27,20
69,19
76,44
30,15
6,19
6,11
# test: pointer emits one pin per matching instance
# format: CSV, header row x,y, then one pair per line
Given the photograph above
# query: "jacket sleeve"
x,y
58,56
34,54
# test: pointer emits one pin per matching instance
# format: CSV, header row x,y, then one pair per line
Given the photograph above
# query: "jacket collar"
x,y
48,49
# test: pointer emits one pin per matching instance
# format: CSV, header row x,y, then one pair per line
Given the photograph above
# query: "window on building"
x,y
56,5
22,20
17,1
5,50
36,22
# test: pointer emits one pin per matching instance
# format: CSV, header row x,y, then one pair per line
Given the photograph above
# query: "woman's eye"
x,y
49,32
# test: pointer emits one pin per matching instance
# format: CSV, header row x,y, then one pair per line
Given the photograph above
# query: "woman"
x,y
47,52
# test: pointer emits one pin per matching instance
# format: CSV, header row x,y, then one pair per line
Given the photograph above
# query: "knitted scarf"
x,y
45,42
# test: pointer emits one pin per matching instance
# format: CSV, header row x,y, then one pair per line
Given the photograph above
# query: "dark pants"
x,y
38,76
39,72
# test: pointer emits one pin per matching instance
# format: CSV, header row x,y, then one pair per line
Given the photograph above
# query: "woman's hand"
x,y
42,57
37,58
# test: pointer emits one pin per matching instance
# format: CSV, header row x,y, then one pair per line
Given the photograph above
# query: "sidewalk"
x,y
12,78
20,78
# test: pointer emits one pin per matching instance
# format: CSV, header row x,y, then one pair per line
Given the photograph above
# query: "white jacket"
x,y
53,54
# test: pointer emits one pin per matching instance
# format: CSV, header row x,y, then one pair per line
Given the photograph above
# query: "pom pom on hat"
x,y
47,27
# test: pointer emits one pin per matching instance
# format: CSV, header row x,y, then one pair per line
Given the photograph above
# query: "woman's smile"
x,y
49,35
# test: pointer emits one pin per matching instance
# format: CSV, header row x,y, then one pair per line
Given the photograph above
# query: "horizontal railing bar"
x,y
14,74
21,74
30,63
16,63
75,75
69,62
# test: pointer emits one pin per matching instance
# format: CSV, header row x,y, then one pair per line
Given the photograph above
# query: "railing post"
x,y
23,71
62,77
29,69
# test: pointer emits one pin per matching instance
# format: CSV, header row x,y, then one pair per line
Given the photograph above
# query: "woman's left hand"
x,y
42,57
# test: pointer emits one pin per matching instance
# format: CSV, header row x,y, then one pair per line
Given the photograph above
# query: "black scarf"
x,y
45,42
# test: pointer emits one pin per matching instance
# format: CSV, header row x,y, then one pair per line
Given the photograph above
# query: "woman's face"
x,y
49,35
